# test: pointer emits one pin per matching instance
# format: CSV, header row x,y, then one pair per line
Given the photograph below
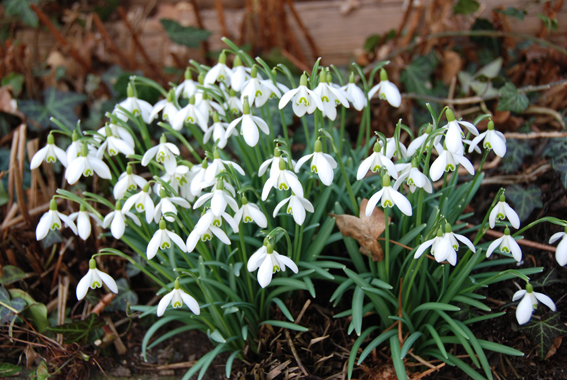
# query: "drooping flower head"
x,y
561,252
375,161
445,245
83,218
188,87
269,262
239,74
251,125
117,220
454,136
190,114
168,107
330,96
258,91
386,90
448,161
249,213
94,279
49,153
296,206
86,165
142,202
529,303
176,298
51,220
303,99
282,179
162,240
164,153
501,211
388,197
415,179
357,96
113,144
321,163
220,72
135,106
493,139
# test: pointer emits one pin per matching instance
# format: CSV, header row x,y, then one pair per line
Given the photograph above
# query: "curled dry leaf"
x,y
365,230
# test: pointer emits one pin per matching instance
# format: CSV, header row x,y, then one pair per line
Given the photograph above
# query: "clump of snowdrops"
x,y
231,234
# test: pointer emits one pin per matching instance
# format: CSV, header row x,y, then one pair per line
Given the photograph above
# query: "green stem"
x,y
387,243
349,187
284,127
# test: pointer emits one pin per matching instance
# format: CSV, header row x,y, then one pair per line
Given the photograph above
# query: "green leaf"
x,y
516,151
16,81
11,274
58,104
464,7
125,296
42,372
417,75
80,331
285,325
35,311
187,36
4,196
513,12
8,369
543,332
22,10
9,308
371,42
511,99
525,200
549,279
490,70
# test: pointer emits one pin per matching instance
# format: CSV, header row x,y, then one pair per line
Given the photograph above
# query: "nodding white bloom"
x,y
375,161
167,106
86,165
507,244
84,222
164,153
454,136
174,179
220,198
274,163
250,125
117,220
269,262
207,106
128,181
113,145
420,141
501,211
303,99
239,74
167,204
394,148
282,179
561,252
187,88
388,197
529,303
218,165
218,131
258,91
249,213
357,96
190,114
94,279
205,233
162,240
219,72
209,219
135,106
447,162
386,90
142,202
321,163
410,173
297,206
445,245
330,96
116,131
233,102
51,220
49,153
176,298
493,139
74,149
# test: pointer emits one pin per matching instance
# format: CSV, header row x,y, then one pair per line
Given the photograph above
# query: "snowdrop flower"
x,y
297,205
116,131
187,88
74,149
114,145
239,74
386,90
84,221
220,198
167,204
94,279
274,163
117,220
269,262
209,219
501,211
174,179
303,99
190,114
142,202
164,153
357,96
389,197
283,179
249,213
51,220
137,107
218,131
321,163
167,106
162,240
454,136
415,179
128,181
205,234
447,162
233,102
420,141
86,165
561,252
176,298
394,148
376,160
198,178
444,246
258,91
207,106
250,125
218,165
330,96
507,244
219,72
49,153
493,139
529,303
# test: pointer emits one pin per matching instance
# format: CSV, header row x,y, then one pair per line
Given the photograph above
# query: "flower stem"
x,y
348,186
387,243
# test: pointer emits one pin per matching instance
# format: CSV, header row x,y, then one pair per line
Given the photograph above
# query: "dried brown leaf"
x,y
556,343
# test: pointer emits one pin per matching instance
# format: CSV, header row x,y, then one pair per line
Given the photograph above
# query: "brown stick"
x,y
103,303
294,352
534,135
60,38
300,65
34,211
111,45
204,44
21,199
305,31
12,170
222,21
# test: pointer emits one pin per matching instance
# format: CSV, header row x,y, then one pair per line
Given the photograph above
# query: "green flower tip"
x,y
282,164
490,125
187,74
275,73
118,205
318,146
92,264
429,129
75,136
386,181
351,77
502,198
448,228
204,164
377,147
83,208
277,152
130,90
269,248
53,204
414,162
439,233
129,170
507,231
162,224
323,76
329,77
529,288
216,117
266,241
303,80
84,150
220,184
201,78
170,96
383,75
237,61
50,139
192,100
146,188
450,115
162,193
162,139
216,154
243,199
176,284
231,93
107,130
246,106
254,72
222,57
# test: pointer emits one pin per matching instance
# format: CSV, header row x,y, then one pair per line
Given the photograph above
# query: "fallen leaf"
x,y
554,347
452,64
365,230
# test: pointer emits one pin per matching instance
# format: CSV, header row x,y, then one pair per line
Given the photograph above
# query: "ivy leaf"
x,y
417,75
560,166
549,279
516,151
11,274
511,99
8,369
7,314
35,311
465,7
513,12
525,200
125,296
544,332
22,10
371,42
58,104
556,149
80,331
182,35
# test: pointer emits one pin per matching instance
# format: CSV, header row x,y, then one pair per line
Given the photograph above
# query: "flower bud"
x,y
146,188
162,139
490,125
450,115
448,228
329,77
216,117
170,96
529,288
277,152
254,72
130,90
246,106
386,181
118,206
351,77
502,198
383,75
192,100
129,170
83,208
269,248
92,264
318,146
50,139
201,78
188,74
162,224
53,204
176,284
244,200
303,80
282,164
237,61
222,57
84,150
75,136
